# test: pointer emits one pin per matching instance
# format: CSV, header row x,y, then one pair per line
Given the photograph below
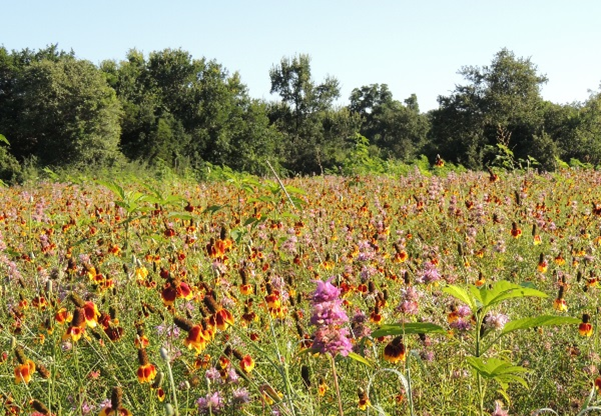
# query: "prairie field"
x,y
460,294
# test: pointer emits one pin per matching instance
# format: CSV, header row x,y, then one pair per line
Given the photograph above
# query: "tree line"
x,y
171,109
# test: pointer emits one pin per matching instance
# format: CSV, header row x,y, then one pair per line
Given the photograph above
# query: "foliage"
x,y
316,136
482,301
69,114
504,95
9,166
177,114
398,129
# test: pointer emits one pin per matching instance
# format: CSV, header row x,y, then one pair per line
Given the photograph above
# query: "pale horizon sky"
x,y
414,47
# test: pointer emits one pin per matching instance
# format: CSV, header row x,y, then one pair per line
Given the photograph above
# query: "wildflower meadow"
x,y
438,293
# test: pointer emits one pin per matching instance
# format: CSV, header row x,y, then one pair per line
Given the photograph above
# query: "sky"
x,y
415,47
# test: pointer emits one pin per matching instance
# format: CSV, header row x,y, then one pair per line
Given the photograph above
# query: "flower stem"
x,y
166,358
336,386
409,387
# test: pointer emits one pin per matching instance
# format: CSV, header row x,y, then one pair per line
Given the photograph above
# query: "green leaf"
x,y
213,208
112,186
293,190
359,358
181,216
505,379
3,139
51,174
173,199
407,328
477,294
537,321
249,221
461,295
12,252
289,215
122,204
237,235
504,290
308,351
495,368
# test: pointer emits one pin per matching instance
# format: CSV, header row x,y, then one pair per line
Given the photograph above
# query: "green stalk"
x,y
165,357
409,387
478,376
284,373
336,386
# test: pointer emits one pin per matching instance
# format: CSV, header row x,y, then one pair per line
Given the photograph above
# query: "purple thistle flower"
x,y
461,325
408,307
332,340
464,311
325,292
328,313
431,274
213,374
232,376
240,396
496,321
328,316
211,403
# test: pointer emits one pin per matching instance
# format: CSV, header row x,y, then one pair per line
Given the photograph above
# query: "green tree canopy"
x,y
305,117
397,129
67,113
500,101
177,107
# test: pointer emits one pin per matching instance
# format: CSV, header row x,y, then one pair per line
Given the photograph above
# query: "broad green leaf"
x,y
461,295
112,186
477,294
266,198
536,321
12,252
153,200
248,188
51,174
132,207
3,139
289,215
504,290
249,221
505,396
359,358
145,209
495,367
237,235
293,190
407,328
251,181
297,201
172,199
181,216
213,208
505,379
122,204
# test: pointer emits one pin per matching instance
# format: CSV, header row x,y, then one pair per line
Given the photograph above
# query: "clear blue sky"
x,y
413,46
